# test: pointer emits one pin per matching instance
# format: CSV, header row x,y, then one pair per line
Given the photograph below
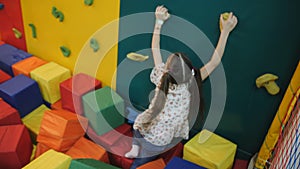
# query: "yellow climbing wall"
x,y
81,22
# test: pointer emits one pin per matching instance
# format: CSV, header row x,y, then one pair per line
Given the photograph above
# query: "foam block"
x,y
49,76
40,149
90,164
12,16
176,151
27,65
16,148
50,160
10,55
4,76
123,145
104,108
85,148
179,163
210,150
118,150
8,115
74,88
22,93
157,164
57,105
33,120
110,138
60,129
33,152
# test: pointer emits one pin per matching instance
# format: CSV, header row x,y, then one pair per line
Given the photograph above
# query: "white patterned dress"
x,y
172,121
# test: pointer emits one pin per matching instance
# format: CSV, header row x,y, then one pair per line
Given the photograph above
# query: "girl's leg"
x,y
134,152
148,152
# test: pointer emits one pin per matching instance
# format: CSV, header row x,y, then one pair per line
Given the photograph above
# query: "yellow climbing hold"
x,y
137,57
225,16
17,33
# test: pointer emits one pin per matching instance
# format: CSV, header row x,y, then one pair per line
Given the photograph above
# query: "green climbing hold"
x,y
33,29
88,2
54,12
61,16
94,44
65,51
57,14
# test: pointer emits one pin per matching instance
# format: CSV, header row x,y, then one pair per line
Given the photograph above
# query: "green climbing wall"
x,y
266,40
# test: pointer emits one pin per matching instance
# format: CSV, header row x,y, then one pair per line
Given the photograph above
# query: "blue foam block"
x,y
10,55
179,163
132,114
22,93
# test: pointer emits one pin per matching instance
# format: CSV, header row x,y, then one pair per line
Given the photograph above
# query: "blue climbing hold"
x,y
1,6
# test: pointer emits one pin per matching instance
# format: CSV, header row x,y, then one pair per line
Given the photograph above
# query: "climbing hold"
x,y
61,16
17,33
1,6
268,81
88,2
137,57
65,51
57,14
33,29
225,16
54,12
94,44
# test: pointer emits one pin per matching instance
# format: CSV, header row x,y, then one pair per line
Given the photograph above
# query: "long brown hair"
x,y
180,70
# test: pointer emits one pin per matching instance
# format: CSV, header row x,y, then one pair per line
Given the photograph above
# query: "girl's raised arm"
x,y
161,15
228,25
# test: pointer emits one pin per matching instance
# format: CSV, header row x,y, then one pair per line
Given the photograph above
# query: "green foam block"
x,y
90,164
104,108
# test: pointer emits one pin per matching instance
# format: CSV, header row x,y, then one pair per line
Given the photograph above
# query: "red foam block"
x,y
74,88
8,115
11,17
110,138
4,76
16,148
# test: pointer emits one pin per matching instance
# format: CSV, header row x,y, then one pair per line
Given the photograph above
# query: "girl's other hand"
x,y
161,13
229,24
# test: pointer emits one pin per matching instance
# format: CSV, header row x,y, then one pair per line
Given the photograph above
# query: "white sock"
x,y
134,152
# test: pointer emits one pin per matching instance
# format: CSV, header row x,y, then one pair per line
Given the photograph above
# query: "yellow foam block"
x,y
50,160
33,152
210,150
49,76
33,120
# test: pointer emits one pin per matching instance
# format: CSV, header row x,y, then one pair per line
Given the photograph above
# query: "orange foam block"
x,y
57,105
157,164
27,65
40,149
60,129
85,148
4,76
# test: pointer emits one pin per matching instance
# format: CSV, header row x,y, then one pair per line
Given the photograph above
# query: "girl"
x,y
177,96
